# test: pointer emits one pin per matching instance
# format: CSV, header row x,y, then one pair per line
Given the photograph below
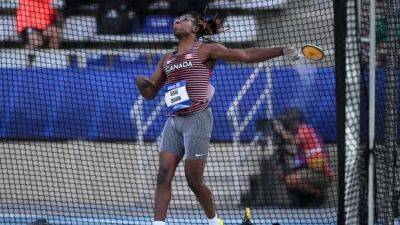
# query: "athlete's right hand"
x,y
290,53
144,82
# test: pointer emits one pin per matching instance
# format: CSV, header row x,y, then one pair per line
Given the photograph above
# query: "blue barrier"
x,y
96,103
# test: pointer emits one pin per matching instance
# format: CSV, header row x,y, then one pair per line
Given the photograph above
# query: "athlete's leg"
x,y
168,164
171,152
194,172
197,134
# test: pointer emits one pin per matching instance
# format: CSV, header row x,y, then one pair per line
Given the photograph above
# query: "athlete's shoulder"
x,y
211,46
207,50
164,58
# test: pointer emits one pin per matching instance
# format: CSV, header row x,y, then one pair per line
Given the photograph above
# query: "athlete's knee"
x,y
194,183
165,176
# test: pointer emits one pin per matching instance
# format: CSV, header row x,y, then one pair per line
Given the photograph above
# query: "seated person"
x,y
38,22
311,171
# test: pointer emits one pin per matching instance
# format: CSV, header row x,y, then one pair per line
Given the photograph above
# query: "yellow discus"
x,y
313,52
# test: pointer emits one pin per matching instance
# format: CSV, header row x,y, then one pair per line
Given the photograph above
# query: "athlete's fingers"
x,y
144,82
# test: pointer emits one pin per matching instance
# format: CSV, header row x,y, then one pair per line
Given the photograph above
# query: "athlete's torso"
x,y
189,67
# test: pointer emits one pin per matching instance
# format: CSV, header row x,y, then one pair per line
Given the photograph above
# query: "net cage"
x,y
80,145
367,112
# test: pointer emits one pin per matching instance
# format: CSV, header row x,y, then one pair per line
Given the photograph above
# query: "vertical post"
x,y
340,71
371,110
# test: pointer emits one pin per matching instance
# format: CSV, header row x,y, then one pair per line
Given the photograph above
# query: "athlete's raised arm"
x,y
248,55
149,87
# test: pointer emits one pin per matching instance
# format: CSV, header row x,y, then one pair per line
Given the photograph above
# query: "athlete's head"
x,y
291,118
193,23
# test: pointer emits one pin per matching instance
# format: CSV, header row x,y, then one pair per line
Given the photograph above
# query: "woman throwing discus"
x,y
186,72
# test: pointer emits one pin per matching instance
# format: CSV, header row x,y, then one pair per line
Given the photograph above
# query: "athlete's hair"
x,y
207,26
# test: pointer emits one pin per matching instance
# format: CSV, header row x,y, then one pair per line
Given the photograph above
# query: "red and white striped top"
x,y
188,66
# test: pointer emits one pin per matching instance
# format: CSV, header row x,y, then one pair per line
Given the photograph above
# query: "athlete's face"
x,y
184,25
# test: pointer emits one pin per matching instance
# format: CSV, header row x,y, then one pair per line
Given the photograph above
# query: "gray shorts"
x,y
189,135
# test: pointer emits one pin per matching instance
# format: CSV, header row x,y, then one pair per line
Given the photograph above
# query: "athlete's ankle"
x,y
213,221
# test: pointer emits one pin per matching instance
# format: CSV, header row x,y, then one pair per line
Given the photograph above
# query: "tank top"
x,y
188,67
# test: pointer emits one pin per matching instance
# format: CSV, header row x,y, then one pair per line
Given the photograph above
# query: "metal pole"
x,y
372,75
340,70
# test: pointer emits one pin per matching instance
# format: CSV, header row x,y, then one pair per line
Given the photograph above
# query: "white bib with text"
x,y
177,97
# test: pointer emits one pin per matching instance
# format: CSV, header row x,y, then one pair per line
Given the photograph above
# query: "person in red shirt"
x,y
38,22
311,171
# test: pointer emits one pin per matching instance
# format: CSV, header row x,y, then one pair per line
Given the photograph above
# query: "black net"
x,y
387,136
372,133
80,145
349,94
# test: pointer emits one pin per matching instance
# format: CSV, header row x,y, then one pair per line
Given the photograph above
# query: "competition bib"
x,y
177,97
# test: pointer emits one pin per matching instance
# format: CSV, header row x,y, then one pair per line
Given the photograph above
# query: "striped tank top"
x,y
188,67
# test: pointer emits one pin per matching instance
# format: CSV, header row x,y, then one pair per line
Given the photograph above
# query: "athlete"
x,y
187,71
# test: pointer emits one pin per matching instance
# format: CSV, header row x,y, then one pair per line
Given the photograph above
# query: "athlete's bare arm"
x,y
248,55
149,88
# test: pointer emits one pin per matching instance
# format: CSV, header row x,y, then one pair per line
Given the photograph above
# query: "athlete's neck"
x,y
185,44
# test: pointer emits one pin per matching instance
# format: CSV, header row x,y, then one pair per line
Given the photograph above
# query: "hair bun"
x,y
215,25
208,26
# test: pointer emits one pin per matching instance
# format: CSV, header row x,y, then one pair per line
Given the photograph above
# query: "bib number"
x,y
177,97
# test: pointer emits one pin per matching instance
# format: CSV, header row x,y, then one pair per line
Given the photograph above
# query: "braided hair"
x,y
207,26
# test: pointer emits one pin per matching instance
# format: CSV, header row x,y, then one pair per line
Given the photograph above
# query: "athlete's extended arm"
x,y
248,55
149,88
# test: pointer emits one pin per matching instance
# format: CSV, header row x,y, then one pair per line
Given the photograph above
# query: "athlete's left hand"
x,y
144,82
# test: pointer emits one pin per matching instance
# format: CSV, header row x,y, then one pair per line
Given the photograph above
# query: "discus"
x,y
313,52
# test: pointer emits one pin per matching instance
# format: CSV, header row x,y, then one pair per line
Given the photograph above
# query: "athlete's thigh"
x,y
199,124
197,134
194,169
168,162
196,148
171,139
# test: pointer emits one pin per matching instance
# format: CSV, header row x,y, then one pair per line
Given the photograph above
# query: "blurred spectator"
x,y
113,17
72,7
383,38
141,9
38,23
300,164
310,172
118,16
